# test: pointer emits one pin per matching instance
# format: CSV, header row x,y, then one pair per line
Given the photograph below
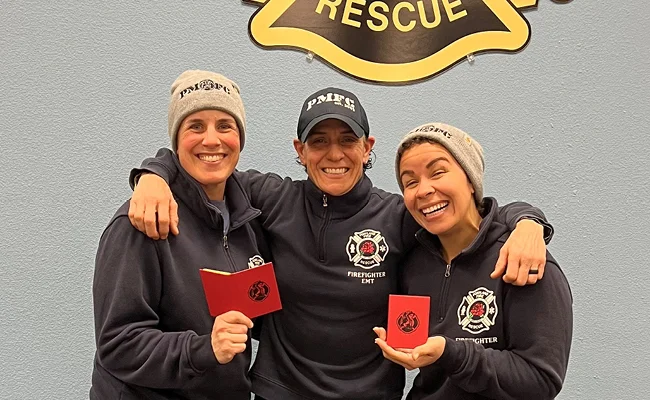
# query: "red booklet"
x,y
408,321
252,291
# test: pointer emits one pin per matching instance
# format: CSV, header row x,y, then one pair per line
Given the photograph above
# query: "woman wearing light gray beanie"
x,y
154,333
196,90
488,339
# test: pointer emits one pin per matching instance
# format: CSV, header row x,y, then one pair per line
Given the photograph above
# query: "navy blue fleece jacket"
x,y
502,341
152,323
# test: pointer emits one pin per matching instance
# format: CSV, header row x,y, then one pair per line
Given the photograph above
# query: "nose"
x,y
425,189
211,137
334,152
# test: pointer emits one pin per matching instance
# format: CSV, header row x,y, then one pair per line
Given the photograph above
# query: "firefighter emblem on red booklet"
x,y
259,291
478,311
408,322
367,249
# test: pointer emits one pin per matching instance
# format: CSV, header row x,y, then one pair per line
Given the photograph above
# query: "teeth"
x,y
211,157
435,208
335,170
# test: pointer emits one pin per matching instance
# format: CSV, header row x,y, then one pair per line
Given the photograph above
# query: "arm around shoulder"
x,y
267,190
153,209
162,165
512,213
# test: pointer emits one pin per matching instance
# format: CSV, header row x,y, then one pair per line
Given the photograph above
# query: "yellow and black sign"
x,y
392,41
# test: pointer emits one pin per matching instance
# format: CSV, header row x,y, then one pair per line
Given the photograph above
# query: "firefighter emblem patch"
x,y
367,249
478,311
255,261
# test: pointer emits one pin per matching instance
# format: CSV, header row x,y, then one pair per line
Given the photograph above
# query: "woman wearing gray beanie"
x,y
488,339
154,334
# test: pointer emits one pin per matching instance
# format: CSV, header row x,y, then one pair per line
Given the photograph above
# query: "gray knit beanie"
x,y
196,90
465,150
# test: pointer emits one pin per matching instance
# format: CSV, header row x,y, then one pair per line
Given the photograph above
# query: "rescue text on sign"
x,y
391,41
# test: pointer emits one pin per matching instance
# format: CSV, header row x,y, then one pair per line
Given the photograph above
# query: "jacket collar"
x,y
490,230
190,192
339,206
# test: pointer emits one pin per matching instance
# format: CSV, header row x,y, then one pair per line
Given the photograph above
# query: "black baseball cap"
x,y
332,103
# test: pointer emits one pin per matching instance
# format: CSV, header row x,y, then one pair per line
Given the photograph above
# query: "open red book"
x,y
408,321
252,291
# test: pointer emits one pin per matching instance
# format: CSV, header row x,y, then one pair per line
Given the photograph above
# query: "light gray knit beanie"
x,y
465,150
196,90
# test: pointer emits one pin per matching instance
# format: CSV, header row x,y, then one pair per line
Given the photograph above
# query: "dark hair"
x,y
417,140
412,142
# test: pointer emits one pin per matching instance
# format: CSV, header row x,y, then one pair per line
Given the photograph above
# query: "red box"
x,y
408,321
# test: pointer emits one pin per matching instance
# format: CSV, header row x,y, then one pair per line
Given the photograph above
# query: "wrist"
x,y
440,345
144,174
531,222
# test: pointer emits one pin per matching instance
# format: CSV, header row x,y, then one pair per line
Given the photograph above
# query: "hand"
x,y
229,335
152,209
525,250
419,357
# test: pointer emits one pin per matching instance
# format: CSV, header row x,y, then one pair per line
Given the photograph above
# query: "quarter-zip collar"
x,y
339,206
190,192
489,231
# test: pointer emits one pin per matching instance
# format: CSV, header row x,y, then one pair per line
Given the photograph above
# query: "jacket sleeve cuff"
x,y
548,228
453,356
201,355
153,168
162,164
134,176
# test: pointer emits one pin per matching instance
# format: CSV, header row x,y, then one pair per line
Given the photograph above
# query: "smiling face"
x,y
334,156
437,191
208,149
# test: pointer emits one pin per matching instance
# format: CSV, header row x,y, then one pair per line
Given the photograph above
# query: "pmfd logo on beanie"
x,y
465,150
196,90
332,103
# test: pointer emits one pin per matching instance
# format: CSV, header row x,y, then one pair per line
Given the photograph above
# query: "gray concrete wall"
x,y
84,91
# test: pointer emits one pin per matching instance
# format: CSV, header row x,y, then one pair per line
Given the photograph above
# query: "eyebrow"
x,y
231,120
429,165
194,120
